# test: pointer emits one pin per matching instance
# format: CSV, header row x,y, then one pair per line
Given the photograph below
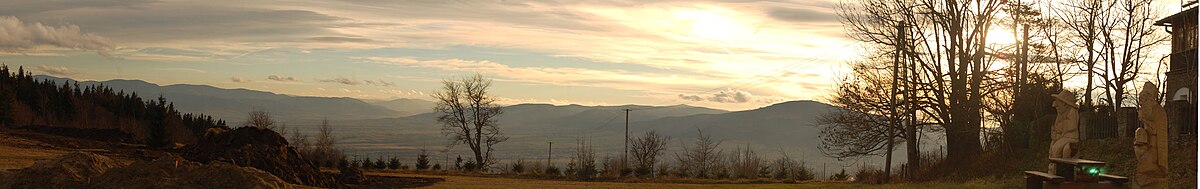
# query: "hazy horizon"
x,y
723,55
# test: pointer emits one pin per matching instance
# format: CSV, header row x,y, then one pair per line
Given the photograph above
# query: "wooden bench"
x,y
1034,179
1119,180
1073,169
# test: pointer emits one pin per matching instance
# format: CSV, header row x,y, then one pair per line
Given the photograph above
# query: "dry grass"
x,y
16,158
461,181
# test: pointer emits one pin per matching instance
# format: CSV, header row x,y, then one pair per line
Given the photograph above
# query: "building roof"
x,y
1177,17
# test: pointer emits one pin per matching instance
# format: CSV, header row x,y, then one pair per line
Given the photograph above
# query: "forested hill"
x,y
31,103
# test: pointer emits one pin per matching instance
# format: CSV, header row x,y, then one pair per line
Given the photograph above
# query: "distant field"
x,y
500,183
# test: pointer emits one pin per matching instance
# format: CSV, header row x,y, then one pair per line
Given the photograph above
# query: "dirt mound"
x,y
259,148
72,170
176,172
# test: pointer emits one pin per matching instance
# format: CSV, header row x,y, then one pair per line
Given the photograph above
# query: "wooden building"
x,y
1181,77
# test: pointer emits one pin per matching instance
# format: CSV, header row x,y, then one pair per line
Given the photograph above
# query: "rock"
x,y
72,170
259,148
176,172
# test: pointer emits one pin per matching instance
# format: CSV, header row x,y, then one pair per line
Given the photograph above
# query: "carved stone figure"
x,y
1150,141
1065,131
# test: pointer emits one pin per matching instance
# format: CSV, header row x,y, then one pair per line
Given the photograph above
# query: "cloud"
x,y
804,15
342,80
340,39
18,36
379,83
724,96
348,81
55,70
240,80
691,97
561,76
283,79
193,70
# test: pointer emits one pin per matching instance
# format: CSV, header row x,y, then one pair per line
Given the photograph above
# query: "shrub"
x,y
552,171
367,163
470,165
642,172
343,163
518,167
664,170
839,176
355,163
869,175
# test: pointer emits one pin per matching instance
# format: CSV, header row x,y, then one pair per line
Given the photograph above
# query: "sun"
x,y
1001,36
712,24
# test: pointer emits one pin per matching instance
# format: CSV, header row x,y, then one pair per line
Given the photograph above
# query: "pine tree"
x,y
380,164
458,163
422,160
366,163
393,163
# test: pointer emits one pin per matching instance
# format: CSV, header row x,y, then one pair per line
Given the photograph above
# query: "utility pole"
x,y
549,150
625,155
887,166
912,144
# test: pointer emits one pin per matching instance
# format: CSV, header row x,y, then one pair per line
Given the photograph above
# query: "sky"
x,y
731,55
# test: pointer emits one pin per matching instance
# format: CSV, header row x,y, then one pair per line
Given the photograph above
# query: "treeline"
x,y
394,163
26,101
319,151
703,159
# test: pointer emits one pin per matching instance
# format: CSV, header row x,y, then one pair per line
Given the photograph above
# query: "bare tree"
x,y
1085,20
583,163
861,129
300,142
1129,45
703,160
745,163
469,116
260,119
945,46
646,150
324,150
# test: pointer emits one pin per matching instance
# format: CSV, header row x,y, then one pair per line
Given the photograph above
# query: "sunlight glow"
x,y
1001,36
712,24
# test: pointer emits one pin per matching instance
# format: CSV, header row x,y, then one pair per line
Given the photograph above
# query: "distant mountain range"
x,y
400,127
405,106
233,104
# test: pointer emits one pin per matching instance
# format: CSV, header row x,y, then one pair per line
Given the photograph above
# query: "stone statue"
x,y
1150,141
1065,131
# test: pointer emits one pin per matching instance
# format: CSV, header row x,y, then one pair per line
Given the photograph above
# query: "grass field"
x,y
454,181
